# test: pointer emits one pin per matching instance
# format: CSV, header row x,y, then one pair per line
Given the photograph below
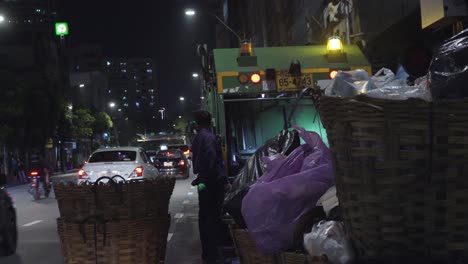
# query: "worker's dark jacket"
x,y
207,158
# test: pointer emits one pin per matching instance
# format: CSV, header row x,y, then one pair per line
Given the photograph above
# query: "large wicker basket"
x,y
402,175
246,249
96,241
115,201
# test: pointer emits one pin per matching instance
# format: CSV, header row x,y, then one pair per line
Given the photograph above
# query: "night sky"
x,y
147,28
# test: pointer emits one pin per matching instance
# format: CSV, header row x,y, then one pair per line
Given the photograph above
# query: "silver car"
x,y
131,163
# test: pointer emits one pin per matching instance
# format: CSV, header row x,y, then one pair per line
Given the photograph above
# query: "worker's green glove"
x,y
201,187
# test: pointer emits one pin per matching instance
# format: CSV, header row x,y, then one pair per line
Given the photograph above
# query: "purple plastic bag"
x,y
290,188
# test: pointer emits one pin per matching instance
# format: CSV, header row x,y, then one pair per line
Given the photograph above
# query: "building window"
x,y
123,71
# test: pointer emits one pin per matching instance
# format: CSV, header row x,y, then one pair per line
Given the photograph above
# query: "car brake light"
x,y
139,171
81,174
33,173
182,163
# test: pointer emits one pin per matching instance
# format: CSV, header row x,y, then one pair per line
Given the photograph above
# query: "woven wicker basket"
x,y
115,201
246,249
299,258
95,241
402,175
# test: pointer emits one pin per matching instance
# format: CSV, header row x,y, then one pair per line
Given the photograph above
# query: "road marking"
x,y
32,223
169,237
186,202
190,193
178,216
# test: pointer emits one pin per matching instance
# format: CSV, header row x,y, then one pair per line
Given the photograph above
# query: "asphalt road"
x,y
39,242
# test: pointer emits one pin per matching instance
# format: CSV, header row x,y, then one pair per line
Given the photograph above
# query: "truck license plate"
x,y
287,83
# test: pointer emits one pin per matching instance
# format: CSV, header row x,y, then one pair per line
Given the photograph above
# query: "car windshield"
x,y
113,156
169,154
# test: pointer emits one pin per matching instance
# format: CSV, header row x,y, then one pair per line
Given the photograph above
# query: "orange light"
x,y
255,78
243,78
246,49
333,74
187,152
34,173
139,171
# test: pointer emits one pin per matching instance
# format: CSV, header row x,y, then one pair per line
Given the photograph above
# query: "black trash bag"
x,y
448,73
285,143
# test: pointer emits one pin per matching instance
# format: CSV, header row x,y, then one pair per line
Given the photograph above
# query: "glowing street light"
x,y
195,75
111,104
2,18
182,99
180,117
190,12
82,85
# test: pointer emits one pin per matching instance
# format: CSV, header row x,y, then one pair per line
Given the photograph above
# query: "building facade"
x,y
30,15
88,82
132,89
32,55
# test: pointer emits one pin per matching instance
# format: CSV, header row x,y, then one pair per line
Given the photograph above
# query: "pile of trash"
x,y
446,78
384,85
287,192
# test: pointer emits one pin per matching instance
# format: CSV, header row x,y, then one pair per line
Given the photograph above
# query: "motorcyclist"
x,y
38,164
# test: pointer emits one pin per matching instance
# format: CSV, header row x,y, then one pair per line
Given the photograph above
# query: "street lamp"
x,y
195,75
82,85
180,117
182,99
190,12
2,19
111,104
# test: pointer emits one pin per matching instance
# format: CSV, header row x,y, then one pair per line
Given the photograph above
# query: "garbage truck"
x,y
254,93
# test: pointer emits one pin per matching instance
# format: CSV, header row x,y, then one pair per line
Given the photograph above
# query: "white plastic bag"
x,y
329,200
350,83
383,77
398,90
328,238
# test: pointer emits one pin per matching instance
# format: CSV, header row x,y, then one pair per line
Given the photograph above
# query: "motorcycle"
x,y
37,188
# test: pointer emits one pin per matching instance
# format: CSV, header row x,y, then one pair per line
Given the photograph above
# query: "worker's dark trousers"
x,y
209,220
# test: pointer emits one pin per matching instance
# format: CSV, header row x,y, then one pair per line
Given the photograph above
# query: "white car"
x,y
130,163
